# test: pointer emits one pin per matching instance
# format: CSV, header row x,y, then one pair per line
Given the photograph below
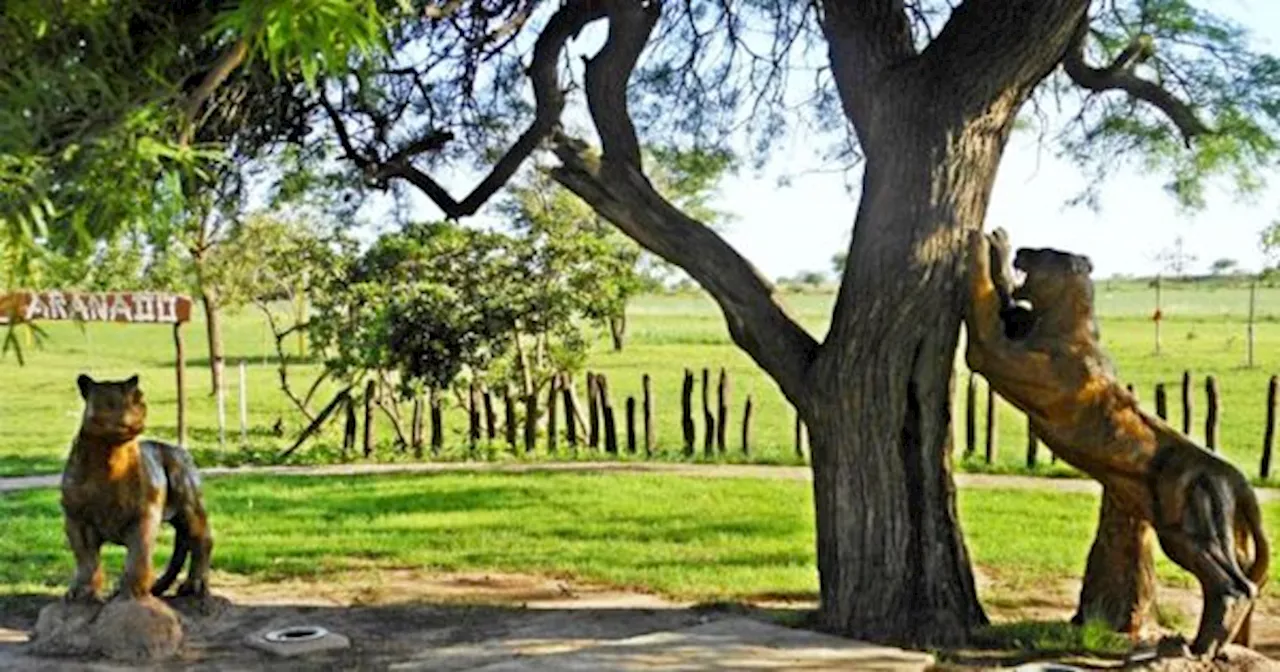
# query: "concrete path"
x,y
727,644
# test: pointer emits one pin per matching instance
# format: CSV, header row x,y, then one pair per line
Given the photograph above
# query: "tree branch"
x,y
566,23
866,38
1119,76
362,161
615,187
998,46
222,68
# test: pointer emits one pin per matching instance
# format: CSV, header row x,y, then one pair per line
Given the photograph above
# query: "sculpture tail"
x,y
1261,547
181,549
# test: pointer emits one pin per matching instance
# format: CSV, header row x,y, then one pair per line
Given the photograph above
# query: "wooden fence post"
x,y
722,410
1253,300
415,427
1212,409
490,417
180,374
746,427
686,413
1187,403
593,410
437,423
244,406
570,412
221,400
992,428
349,427
1158,316
647,412
631,425
708,420
1033,445
553,393
509,410
473,416
970,416
606,408
1268,438
530,421
370,389
1162,402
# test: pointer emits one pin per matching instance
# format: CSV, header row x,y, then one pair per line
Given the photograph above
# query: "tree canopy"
x,y
102,99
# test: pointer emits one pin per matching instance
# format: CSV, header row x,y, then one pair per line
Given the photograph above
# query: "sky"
x,y
785,230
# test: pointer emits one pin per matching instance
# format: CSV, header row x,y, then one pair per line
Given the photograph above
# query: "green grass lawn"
x,y
706,539
1204,332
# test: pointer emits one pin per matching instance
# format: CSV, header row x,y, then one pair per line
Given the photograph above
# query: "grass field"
x,y
704,539
1204,331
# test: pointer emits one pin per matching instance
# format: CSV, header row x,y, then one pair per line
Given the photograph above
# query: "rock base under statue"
x,y
134,631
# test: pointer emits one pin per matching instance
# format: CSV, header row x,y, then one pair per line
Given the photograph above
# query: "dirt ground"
x,y
414,620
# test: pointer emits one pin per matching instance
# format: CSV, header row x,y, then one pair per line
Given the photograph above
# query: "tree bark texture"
x,y
1120,577
213,334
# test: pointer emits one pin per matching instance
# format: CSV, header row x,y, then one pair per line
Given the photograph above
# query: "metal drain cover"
x,y
297,633
297,640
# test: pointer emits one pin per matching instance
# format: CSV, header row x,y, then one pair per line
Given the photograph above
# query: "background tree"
x,y
1269,241
924,93
1221,266
278,261
838,262
1175,259
609,261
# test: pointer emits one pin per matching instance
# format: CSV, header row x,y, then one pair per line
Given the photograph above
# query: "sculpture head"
x,y
113,409
1052,277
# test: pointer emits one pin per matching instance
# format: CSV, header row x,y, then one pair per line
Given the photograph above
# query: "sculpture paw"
x,y
83,593
193,588
1174,646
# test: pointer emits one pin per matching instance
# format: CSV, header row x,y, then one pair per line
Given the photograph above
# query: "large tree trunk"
x,y
213,330
1120,577
876,393
892,560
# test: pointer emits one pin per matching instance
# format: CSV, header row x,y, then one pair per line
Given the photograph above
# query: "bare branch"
x,y
1119,76
283,368
362,161
566,23
614,185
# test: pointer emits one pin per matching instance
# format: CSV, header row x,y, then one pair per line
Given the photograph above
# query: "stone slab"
x,y
723,644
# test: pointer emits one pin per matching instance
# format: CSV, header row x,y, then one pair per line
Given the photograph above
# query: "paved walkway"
x,y
975,481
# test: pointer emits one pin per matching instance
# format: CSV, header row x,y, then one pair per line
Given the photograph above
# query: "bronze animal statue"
x,y
1050,365
118,488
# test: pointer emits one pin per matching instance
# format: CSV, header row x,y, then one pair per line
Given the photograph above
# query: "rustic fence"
x,y
601,427
528,418
1212,415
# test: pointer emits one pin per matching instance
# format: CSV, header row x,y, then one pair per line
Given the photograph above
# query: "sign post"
x,y
126,307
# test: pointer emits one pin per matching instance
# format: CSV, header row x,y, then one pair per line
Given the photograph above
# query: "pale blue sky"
x,y
783,230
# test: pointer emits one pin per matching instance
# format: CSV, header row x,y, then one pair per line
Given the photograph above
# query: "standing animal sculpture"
x,y
117,488
1037,346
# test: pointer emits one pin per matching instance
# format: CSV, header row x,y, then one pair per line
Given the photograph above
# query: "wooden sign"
x,y
129,307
